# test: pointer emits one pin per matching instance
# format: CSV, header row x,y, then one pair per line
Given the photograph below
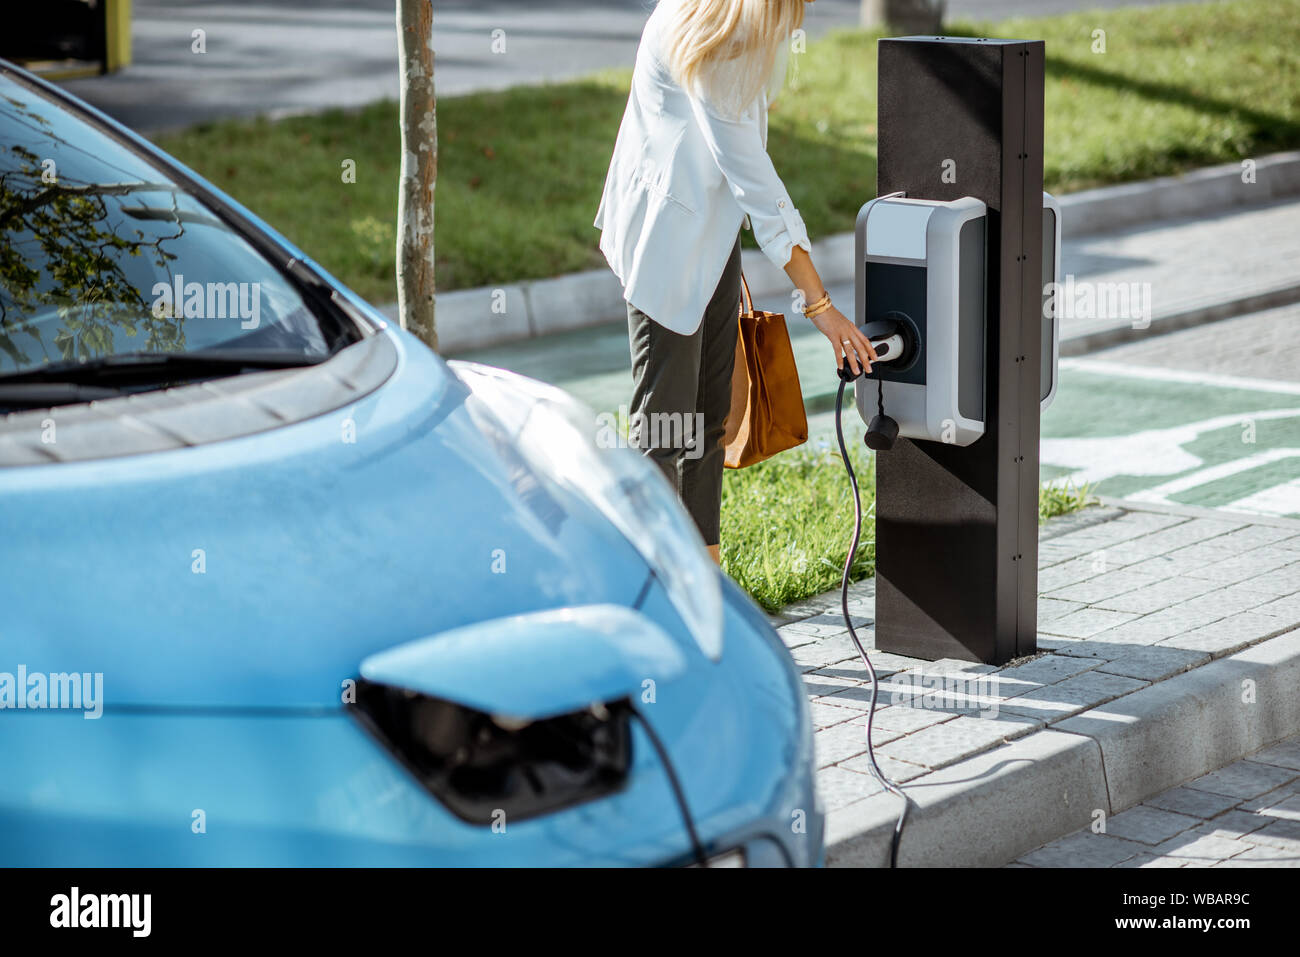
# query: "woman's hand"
x,y
846,340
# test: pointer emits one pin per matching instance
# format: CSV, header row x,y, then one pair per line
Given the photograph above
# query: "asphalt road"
x,y
278,57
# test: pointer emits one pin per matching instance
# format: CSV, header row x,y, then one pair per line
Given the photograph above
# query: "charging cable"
x,y
847,375
679,795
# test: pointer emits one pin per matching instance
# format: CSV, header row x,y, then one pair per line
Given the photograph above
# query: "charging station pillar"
x,y
957,527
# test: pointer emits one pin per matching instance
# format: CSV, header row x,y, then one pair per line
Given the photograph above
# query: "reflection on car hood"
x,y
258,572
225,407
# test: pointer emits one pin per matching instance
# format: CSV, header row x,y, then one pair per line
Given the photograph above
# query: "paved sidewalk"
x,y
1133,598
1244,815
1129,600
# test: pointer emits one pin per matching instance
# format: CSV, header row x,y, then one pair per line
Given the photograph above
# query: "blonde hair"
x,y
728,50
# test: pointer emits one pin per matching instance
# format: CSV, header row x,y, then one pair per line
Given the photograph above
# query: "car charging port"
x,y
478,765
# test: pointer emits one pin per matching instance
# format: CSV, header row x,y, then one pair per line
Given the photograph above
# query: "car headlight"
x,y
557,436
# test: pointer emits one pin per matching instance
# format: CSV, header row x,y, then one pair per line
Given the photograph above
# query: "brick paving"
x,y
1127,598
1244,815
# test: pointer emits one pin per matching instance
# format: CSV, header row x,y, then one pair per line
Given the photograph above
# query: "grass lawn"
x,y
521,171
786,522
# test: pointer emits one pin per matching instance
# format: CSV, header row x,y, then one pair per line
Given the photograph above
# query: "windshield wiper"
x,y
46,395
151,366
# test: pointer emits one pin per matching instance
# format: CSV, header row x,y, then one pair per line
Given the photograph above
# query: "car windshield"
x,y
103,253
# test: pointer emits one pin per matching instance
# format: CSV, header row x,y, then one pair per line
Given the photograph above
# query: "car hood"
x,y
258,572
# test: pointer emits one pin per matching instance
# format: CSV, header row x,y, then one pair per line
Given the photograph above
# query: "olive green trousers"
x,y
681,396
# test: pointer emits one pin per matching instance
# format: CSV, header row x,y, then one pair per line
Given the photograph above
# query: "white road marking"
x,y
1160,494
1278,500
1152,452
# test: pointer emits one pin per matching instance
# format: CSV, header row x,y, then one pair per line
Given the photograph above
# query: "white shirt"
x,y
682,179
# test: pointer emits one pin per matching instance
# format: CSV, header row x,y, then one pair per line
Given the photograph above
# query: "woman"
x,y
690,166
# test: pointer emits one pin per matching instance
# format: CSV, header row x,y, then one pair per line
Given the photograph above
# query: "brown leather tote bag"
x,y
767,414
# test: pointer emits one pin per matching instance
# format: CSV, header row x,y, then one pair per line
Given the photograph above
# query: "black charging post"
x,y
957,527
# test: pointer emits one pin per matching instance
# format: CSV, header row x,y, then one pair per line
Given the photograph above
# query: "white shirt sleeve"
x,y
738,149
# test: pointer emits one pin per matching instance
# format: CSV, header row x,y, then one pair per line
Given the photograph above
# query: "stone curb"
x,y
982,812
1192,194
991,808
1191,511
1196,722
995,806
494,315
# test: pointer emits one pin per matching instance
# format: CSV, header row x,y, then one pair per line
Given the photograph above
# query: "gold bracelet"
x,y
817,308
825,298
817,302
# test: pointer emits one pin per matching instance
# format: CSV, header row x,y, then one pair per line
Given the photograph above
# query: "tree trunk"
x,y
904,17
419,174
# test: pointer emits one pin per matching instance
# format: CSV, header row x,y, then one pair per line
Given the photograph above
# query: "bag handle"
x,y
746,301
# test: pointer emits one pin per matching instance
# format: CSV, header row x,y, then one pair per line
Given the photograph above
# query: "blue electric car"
x,y
280,586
